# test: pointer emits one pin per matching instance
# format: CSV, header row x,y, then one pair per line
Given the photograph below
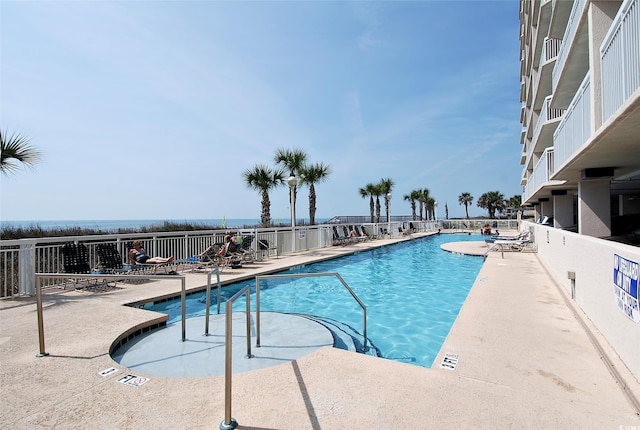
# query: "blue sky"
x,y
153,109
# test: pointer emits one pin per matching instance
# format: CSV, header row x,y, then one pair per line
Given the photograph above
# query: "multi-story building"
x,y
580,93
580,68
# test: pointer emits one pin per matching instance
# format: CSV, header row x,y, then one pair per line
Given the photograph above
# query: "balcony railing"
x,y
575,128
549,53
620,57
546,114
569,35
542,171
550,49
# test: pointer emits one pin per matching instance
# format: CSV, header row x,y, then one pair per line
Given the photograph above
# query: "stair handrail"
x,y
309,275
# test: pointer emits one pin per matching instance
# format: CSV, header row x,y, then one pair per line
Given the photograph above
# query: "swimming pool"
x,y
413,292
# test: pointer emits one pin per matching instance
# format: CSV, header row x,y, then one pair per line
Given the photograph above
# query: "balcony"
x,y
545,127
575,128
620,59
541,31
560,12
548,56
573,59
540,178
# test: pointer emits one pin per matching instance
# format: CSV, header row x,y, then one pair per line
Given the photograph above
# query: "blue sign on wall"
x,y
625,280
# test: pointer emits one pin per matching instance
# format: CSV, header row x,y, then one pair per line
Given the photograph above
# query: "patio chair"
x,y
111,261
362,234
514,245
355,236
248,253
264,248
75,259
367,234
337,238
168,267
212,257
523,235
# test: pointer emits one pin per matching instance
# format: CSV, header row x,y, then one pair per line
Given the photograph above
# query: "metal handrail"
x,y
40,276
208,296
308,275
230,423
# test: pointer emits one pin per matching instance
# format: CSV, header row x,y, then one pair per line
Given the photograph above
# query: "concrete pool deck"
x,y
523,357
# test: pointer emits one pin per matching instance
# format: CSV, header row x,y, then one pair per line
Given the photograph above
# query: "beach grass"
x,y
36,231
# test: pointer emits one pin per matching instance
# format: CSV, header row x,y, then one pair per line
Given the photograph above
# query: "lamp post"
x,y
293,181
389,215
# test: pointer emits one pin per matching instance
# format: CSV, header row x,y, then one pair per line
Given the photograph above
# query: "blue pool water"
x,y
413,292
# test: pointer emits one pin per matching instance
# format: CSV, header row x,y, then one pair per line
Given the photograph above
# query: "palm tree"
x,y
16,149
263,178
423,197
430,208
293,160
312,175
492,201
446,211
369,190
412,197
465,199
386,185
514,203
377,192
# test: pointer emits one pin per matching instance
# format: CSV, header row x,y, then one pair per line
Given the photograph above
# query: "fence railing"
x,y
20,259
620,58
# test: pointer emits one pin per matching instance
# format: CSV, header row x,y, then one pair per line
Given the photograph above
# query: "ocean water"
x,y
114,225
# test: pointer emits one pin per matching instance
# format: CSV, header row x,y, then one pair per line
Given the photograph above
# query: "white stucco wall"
x,y
592,261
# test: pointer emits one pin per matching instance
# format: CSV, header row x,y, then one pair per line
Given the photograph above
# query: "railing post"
x,y
183,299
42,352
208,304
248,303
229,422
257,312
27,267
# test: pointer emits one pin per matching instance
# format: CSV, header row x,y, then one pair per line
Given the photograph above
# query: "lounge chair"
x,y
168,267
248,253
75,259
337,238
111,261
523,235
361,233
526,244
213,257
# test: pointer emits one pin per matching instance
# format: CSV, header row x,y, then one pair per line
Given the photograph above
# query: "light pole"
x,y
292,181
389,214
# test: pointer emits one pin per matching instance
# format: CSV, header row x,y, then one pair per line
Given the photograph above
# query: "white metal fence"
x,y
21,259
